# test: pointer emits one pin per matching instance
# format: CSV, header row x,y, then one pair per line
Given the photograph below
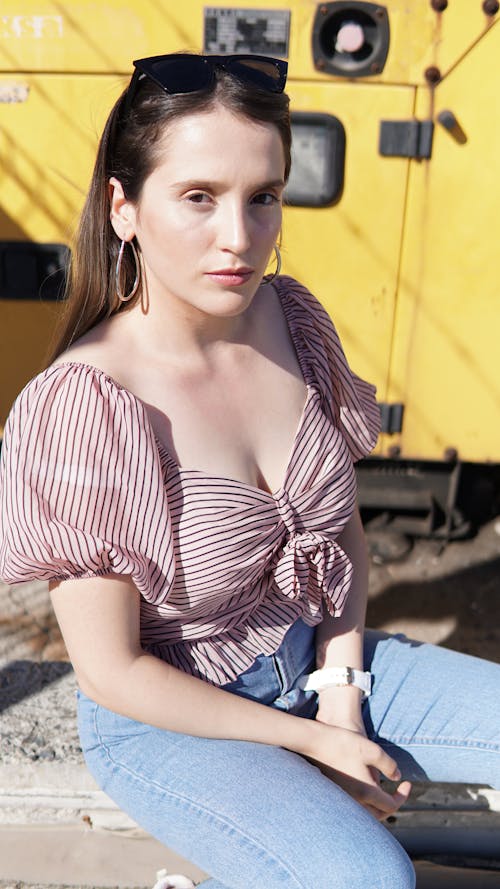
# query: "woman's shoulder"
x,y
65,397
67,376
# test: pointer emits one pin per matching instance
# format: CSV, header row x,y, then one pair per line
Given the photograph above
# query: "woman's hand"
x,y
360,774
348,758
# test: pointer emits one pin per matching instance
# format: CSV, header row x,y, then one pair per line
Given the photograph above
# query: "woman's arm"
x,y
339,643
99,619
339,640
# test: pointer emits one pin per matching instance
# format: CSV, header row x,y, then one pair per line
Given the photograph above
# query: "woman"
x,y
182,473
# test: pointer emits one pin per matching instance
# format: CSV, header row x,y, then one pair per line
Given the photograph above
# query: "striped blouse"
x,y
223,567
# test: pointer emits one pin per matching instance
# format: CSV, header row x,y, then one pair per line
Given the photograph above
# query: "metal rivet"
x,y
375,68
319,63
450,455
491,7
432,74
439,5
380,12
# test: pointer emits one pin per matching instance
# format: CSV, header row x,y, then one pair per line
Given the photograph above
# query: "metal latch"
x,y
406,138
391,417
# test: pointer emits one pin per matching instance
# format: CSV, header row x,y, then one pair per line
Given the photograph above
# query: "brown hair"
x,y
129,150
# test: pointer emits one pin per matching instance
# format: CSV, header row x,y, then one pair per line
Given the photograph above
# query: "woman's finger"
x,y
378,798
386,803
402,793
385,764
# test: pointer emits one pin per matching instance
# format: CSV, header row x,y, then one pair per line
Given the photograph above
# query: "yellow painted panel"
x,y
348,254
47,150
48,35
25,331
446,356
424,38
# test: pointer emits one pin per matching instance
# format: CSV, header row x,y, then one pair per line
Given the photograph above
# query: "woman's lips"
x,y
232,277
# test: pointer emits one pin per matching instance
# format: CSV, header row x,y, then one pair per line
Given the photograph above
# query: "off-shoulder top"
x,y
223,568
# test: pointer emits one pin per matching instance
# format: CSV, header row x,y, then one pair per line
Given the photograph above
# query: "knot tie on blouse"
x,y
312,568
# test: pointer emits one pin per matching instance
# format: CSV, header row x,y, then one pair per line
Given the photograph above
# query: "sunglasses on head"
x,y
188,73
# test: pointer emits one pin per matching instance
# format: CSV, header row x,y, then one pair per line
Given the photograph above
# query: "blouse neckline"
x,y
164,451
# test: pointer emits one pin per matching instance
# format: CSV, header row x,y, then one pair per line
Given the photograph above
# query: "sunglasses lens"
x,y
181,75
264,74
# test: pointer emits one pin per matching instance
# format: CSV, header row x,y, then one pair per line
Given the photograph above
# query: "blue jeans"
x,y
261,817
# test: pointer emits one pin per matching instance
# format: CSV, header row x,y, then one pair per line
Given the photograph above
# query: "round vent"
x,y
350,39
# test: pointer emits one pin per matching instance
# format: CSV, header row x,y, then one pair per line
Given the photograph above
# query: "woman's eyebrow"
x,y
274,183
213,185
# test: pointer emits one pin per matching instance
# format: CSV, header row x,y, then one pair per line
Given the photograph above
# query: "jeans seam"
x,y
195,805
279,675
443,742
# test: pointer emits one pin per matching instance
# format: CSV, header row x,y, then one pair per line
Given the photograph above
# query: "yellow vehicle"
x,y
392,215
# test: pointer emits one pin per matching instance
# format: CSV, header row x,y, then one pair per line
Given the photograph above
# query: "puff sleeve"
x,y
348,400
81,487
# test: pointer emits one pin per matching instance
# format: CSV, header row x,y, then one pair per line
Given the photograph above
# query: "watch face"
x,y
318,153
350,677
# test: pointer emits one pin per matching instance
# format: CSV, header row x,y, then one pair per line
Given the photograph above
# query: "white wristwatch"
x,y
336,676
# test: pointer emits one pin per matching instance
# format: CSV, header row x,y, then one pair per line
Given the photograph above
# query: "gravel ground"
x,y
449,595
37,684
20,885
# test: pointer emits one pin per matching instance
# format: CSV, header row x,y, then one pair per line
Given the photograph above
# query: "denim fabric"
x,y
261,817
270,680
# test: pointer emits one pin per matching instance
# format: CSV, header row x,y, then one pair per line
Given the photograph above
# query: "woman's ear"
x,y
122,211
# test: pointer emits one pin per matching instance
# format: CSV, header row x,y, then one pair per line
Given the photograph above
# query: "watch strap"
x,y
330,677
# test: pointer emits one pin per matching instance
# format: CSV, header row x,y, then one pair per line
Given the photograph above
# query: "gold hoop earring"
x,y
269,278
125,298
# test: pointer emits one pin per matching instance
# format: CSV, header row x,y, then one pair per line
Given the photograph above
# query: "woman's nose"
x,y
234,229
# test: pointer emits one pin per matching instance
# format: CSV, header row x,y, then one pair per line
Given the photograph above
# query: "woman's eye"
x,y
265,198
198,197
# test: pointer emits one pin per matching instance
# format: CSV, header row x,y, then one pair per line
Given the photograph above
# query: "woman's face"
x,y
210,212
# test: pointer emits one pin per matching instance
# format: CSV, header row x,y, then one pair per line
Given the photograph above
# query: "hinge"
x,y
392,417
406,138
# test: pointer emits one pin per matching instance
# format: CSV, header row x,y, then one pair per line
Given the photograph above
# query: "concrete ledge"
x,y
81,856
76,835
48,858
56,793
65,793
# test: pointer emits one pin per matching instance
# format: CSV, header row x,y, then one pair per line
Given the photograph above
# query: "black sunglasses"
x,y
188,73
